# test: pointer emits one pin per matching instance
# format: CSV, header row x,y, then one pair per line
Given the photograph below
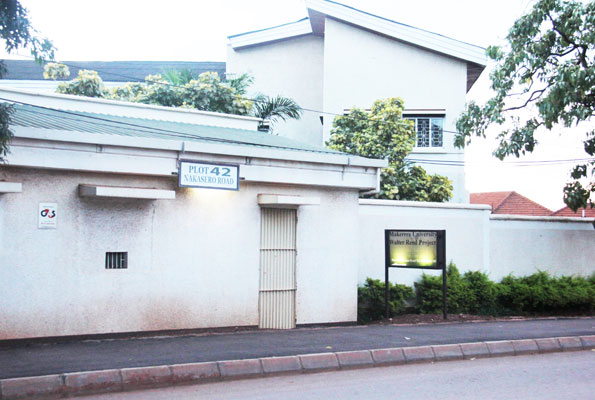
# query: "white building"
x,y
340,57
97,236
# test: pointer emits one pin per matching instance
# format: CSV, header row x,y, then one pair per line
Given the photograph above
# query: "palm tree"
x,y
274,109
178,77
241,83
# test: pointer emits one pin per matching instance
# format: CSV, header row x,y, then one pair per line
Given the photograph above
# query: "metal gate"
x,y
277,268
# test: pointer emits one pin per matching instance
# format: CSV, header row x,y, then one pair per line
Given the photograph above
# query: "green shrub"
x,y
484,294
370,300
474,293
541,293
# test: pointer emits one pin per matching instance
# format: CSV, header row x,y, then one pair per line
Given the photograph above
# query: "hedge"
x,y
371,304
474,293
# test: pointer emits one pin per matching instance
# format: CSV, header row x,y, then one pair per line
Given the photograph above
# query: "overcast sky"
x,y
197,31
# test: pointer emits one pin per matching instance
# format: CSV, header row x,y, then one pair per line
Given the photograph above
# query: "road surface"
x,y
45,359
556,376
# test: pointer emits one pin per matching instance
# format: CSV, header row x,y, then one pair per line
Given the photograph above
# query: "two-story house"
x,y
340,57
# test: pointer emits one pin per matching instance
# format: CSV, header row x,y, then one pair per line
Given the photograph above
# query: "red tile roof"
x,y
510,203
567,212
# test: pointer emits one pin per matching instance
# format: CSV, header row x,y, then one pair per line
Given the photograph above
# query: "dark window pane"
x,y
423,132
437,132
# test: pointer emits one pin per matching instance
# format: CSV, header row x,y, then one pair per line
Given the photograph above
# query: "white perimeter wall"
x,y
476,240
522,245
193,261
467,235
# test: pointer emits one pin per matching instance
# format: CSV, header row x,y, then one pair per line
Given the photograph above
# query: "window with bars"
x,y
428,130
116,260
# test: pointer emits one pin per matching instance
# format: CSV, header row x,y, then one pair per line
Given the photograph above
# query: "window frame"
x,y
415,117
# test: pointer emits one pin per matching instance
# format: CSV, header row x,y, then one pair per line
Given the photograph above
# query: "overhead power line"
x,y
149,129
69,115
136,80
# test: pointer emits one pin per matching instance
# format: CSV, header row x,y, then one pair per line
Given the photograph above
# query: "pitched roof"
x,y
319,9
511,203
111,71
31,116
581,212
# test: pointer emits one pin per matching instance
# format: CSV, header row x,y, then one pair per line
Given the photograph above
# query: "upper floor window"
x,y
428,130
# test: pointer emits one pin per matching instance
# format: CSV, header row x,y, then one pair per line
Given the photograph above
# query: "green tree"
x,y
179,89
384,133
241,83
55,71
275,108
17,33
178,77
547,69
87,83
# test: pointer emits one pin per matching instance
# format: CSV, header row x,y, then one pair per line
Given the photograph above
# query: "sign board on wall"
x,y
415,249
208,175
47,216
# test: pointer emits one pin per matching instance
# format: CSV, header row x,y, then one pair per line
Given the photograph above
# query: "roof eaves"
x,y
280,32
407,33
123,108
268,29
253,150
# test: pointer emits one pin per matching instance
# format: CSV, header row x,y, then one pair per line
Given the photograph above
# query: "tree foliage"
x,y
87,83
383,133
207,92
178,76
55,71
276,108
548,69
17,33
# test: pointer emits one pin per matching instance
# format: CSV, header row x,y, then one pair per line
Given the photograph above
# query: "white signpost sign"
x,y
207,175
47,216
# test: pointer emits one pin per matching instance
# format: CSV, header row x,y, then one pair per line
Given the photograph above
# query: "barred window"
x,y
116,260
429,132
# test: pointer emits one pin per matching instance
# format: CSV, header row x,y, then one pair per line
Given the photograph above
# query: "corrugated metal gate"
x,y
277,268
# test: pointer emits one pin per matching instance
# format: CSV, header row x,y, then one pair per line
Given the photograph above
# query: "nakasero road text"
x,y
207,175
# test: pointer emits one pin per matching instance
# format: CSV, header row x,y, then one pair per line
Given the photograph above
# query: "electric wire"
x,y
177,134
256,100
161,131
180,134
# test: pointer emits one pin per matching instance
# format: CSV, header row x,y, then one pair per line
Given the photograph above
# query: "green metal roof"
x,y
78,121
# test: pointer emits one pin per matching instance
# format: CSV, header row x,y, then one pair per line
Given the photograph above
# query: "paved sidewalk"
x,y
92,355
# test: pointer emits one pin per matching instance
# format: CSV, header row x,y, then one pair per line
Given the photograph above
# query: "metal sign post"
x,y
423,249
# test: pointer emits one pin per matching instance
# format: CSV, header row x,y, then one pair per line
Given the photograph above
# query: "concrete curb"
x,y
117,380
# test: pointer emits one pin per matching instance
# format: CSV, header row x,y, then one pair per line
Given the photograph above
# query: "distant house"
x,y
340,57
28,75
510,203
581,212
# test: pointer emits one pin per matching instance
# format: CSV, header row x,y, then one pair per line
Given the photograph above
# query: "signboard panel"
x,y
47,216
414,249
209,175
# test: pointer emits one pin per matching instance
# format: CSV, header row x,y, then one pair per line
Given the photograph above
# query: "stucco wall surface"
x,y
290,68
361,67
466,236
193,261
524,247
475,240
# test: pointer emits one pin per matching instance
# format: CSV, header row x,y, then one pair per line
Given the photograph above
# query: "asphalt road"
x,y
45,359
556,376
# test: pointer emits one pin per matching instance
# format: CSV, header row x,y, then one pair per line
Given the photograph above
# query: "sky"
x,y
186,30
